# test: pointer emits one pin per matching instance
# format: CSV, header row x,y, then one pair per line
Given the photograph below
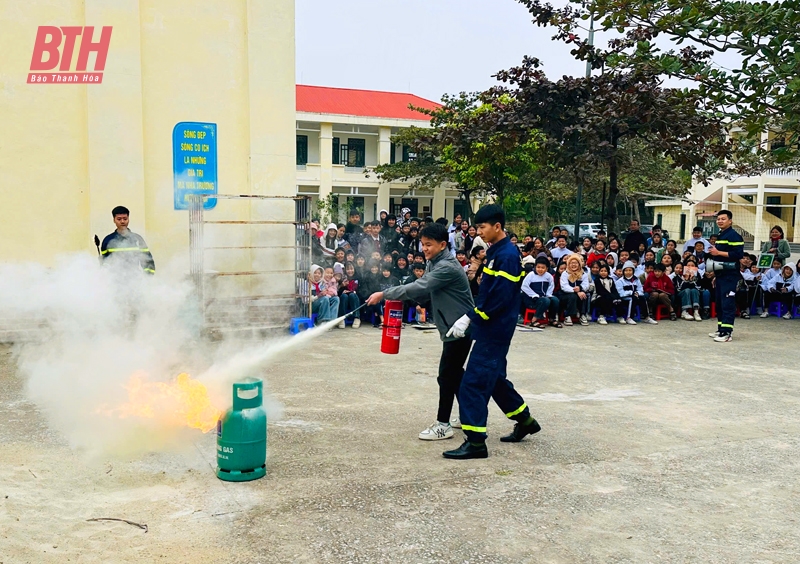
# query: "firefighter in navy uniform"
x,y
124,247
493,321
729,248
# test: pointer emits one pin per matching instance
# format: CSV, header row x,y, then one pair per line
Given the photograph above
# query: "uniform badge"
x,y
490,265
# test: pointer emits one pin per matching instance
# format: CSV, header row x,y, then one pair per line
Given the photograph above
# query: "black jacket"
x,y
633,240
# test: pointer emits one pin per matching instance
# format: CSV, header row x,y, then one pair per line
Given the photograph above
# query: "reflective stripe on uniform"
x,y
522,408
729,326
483,315
150,270
502,273
121,249
473,428
729,243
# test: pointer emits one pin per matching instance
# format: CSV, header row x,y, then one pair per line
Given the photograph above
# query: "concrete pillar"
x,y
437,208
724,196
765,140
449,209
384,157
759,226
115,121
325,160
273,131
796,234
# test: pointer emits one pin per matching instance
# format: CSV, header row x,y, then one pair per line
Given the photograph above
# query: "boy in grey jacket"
x,y
445,285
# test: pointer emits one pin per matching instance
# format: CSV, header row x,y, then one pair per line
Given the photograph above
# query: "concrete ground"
x,y
658,445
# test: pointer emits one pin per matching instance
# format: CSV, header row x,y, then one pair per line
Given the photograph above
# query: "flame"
x,y
181,403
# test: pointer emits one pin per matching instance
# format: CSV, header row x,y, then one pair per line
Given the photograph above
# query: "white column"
x,y
325,160
437,207
384,157
796,235
759,226
724,196
765,140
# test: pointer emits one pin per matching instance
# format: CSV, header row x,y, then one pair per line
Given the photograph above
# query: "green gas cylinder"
x,y
242,435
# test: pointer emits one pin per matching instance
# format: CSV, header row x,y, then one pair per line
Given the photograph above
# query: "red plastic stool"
x,y
529,315
662,312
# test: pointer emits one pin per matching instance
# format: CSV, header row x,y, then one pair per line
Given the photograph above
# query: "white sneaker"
x,y
567,321
356,323
621,320
697,316
342,325
650,321
765,314
630,321
584,320
787,315
714,334
726,338
455,423
686,315
437,432
601,319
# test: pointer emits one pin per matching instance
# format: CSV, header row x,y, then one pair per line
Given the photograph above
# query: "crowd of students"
x,y
603,278
352,261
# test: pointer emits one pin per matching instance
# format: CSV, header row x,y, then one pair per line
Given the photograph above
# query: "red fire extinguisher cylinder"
x,y
392,324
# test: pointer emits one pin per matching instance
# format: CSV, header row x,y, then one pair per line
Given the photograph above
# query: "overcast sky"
x,y
426,47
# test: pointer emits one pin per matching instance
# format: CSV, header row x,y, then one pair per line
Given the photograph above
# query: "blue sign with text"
x,y
194,162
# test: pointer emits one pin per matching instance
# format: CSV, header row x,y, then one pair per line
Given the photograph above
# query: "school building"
x,y
343,134
758,204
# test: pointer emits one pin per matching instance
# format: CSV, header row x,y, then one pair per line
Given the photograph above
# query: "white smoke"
x,y
96,328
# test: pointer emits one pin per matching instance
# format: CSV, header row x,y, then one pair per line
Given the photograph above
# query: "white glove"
x,y
314,298
459,328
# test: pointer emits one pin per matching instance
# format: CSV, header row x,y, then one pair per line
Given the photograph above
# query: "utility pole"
x,y
579,199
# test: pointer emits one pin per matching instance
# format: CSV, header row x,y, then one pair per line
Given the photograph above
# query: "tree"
x,y
581,122
453,151
760,91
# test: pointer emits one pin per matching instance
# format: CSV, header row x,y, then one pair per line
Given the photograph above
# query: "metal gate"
x,y
250,275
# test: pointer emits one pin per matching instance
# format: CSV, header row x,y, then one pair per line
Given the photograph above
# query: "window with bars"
x,y
302,150
356,153
336,151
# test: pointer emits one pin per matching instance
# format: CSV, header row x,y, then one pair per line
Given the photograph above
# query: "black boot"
x,y
467,451
521,431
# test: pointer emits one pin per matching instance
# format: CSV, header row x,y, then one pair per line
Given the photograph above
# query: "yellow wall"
x,y
671,221
71,152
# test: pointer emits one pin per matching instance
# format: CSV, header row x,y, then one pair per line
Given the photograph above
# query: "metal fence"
x,y
238,286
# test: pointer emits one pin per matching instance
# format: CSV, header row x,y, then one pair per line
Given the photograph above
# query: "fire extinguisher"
x,y
392,324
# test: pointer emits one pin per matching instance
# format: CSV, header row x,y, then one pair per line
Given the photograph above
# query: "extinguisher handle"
x,y
248,400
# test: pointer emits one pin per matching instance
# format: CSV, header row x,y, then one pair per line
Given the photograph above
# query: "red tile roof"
x,y
367,103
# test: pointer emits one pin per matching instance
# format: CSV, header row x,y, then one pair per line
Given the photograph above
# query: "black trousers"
x,y
451,371
726,303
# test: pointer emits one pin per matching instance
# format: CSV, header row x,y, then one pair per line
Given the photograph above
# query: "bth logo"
x,y
47,56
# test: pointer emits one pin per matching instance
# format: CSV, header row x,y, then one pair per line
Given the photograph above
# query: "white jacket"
x,y
768,275
566,285
788,283
632,285
534,285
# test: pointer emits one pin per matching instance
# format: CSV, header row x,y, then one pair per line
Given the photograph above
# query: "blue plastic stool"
x,y
298,324
610,318
777,309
